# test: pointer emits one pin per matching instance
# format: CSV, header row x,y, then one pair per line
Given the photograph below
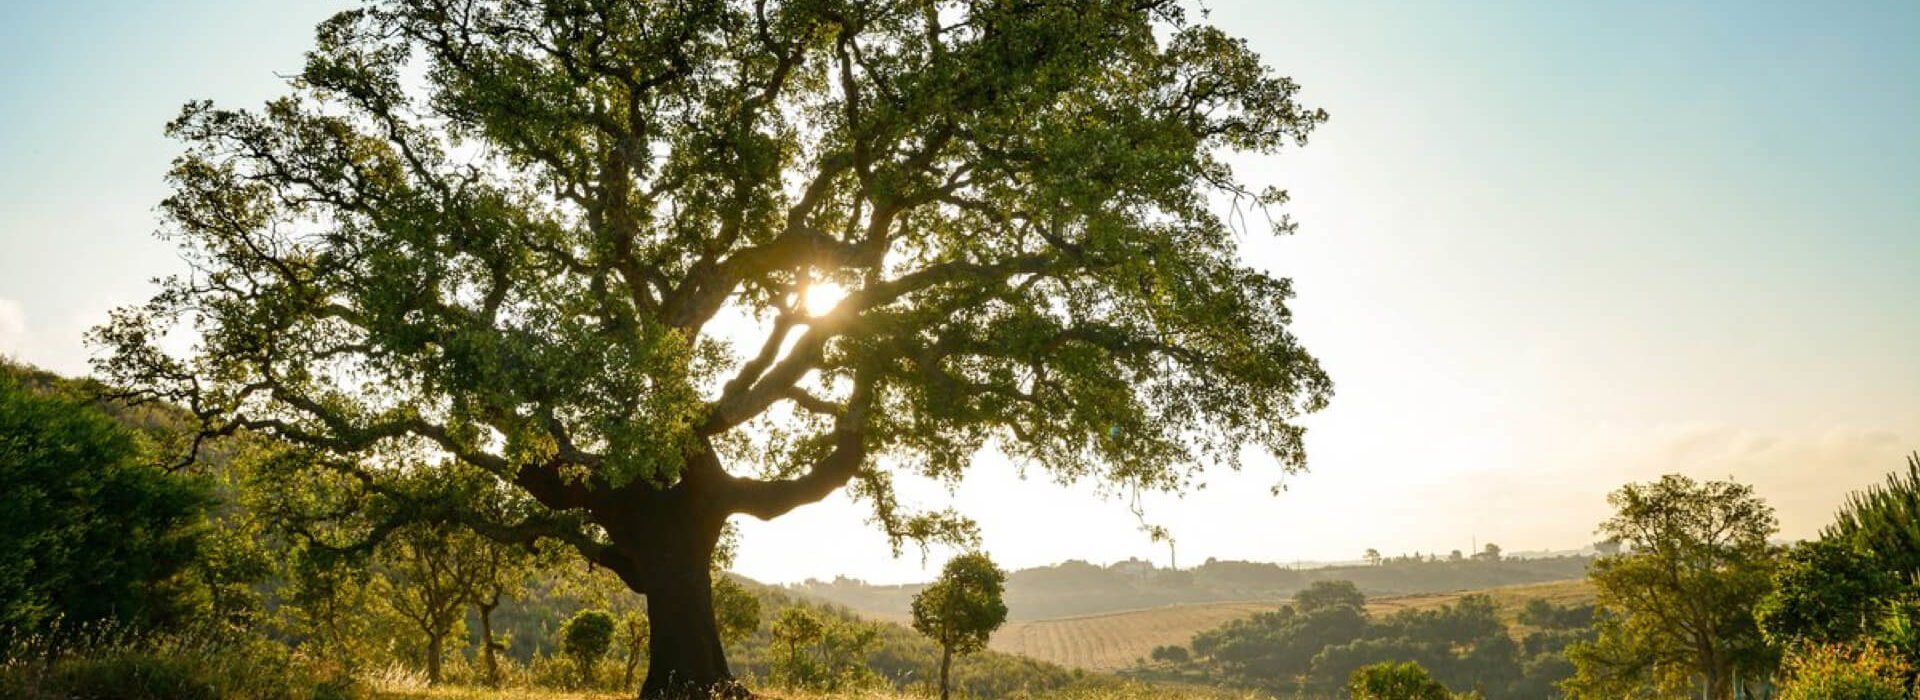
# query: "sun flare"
x,y
821,297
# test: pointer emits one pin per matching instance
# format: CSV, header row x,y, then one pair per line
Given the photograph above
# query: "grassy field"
x,y
1102,691
1111,641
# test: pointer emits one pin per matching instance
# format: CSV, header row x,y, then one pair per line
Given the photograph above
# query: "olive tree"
x,y
658,264
962,608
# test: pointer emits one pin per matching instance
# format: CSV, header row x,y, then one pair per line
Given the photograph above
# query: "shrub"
x,y
586,638
1390,681
1834,672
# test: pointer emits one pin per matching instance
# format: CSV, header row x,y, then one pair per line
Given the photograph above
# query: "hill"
x,y
1077,588
1112,641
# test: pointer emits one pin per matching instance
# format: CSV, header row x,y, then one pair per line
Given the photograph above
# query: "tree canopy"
x,y
593,249
1678,606
961,608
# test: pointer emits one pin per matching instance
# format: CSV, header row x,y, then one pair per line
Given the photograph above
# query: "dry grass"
x,y
1110,641
1099,691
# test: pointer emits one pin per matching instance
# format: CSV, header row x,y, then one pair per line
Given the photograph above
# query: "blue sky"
x,y
1546,248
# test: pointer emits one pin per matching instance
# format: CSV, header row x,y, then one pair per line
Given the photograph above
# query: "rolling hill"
x,y
1111,641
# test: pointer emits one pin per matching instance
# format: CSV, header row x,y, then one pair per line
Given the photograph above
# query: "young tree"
x,y
592,248
796,630
635,629
502,573
1680,605
736,610
586,638
962,608
435,571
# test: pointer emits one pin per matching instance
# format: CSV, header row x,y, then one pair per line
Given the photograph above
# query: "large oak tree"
x,y
656,264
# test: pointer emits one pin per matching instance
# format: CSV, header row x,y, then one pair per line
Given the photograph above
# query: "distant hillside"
x,y
1114,641
1078,588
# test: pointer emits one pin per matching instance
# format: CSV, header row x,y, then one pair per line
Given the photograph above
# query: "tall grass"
x,y
108,663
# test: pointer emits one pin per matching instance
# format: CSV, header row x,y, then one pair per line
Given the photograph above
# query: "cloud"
x,y
1804,474
13,328
58,345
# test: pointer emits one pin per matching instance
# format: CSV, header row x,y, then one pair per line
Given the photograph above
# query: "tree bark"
x,y
486,642
434,646
684,655
946,662
664,552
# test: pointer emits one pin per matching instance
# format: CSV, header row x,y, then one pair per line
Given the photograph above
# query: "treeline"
x,y
126,573
1080,588
1692,600
1313,646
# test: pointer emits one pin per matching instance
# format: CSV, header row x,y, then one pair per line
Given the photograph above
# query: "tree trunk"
x,y
946,662
433,659
633,664
684,655
486,642
666,555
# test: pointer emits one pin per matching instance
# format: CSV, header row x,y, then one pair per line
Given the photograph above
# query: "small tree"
x,y
795,629
1680,604
1491,552
434,570
587,637
1373,556
635,630
962,608
1391,681
1329,594
1171,654
735,609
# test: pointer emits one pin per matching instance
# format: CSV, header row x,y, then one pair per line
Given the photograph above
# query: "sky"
x,y
1545,249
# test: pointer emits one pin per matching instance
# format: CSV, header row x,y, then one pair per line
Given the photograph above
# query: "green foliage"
x,y
1395,681
586,638
1826,592
962,607
1316,644
821,652
1680,603
1329,594
1836,672
90,533
1859,584
1883,522
1171,653
495,238
735,609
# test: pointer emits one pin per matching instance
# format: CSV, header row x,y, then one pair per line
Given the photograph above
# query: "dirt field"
x,y
1115,640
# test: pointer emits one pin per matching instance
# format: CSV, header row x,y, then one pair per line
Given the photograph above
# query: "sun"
x,y
821,297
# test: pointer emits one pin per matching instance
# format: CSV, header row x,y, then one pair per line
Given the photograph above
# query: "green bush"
x,y
586,638
1834,672
1391,681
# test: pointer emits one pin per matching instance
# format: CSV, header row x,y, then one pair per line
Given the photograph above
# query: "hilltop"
x,y
1077,588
